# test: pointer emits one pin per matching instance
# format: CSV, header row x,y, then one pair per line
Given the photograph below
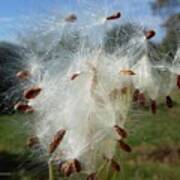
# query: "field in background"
x,y
155,140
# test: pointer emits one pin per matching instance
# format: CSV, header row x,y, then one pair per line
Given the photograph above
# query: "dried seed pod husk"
x,y
23,75
75,75
178,81
153,106
150,34
71,18
32,141
32,92
121,132
141,99
124,146
69,167
136,95
169,102
23,107
91,176
127,72
115,165
58,137
114,16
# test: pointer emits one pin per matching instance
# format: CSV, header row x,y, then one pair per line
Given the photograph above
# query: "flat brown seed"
x,y
115,166
127,72
114,16
23,107
70,166
121,132
71,18
74,76
23,75
56,140
32,92
150,34
124,146
32,141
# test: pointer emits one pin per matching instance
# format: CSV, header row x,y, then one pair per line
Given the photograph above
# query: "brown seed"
x,y
153,106
150,34
114,16
32,141
70,166
141,99
127,72
115,166
74,76
71,18
32,92
169,102
120,131
23,107
91,176
124,146
23,75
135,95
178,81
56,140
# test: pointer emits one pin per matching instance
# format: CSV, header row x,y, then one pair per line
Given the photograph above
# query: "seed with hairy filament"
x,y
70,166
141,99
136,95
127,72
32,141
121,132
91,176
115,165
150,34
153,106
114,16
71,18
178,81
32,92
169,102
75,75
124,146
57,139
23,75
23,107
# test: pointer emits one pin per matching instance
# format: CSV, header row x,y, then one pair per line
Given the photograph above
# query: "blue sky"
x,y
13,12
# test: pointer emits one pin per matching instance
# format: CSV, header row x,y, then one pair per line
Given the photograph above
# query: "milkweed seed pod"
x,y
121,132
114,16
92,177
125,147
23,75
71,18
32,92
58,137
150,34
178,81
69,167
136,95
141,99
169,102
23,107
153,106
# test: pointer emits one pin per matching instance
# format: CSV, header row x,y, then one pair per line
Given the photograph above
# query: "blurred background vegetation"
x,y
155,138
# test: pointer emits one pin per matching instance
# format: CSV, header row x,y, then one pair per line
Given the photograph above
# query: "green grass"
x,y
146,132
